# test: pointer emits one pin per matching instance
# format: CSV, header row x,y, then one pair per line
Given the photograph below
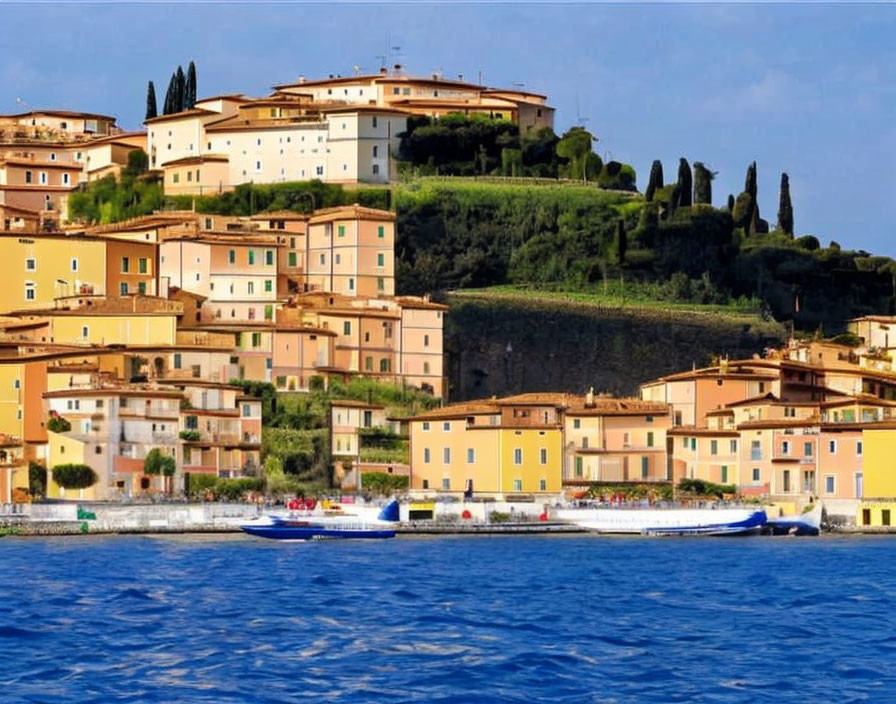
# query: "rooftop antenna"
x,y
580,119
357,69
21,102
382,58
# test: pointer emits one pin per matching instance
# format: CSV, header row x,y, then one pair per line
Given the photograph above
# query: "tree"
x,y
74,476
138,162
58,424
575,146
190,99
621,241
785,209
702,183
180,88
151,107
730,203
655,181
170,100
37,479
750,185
157,463
685,183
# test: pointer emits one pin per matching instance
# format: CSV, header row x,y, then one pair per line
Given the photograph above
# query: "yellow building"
x,y
486,448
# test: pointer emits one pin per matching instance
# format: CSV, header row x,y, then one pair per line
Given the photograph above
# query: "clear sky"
x,y
805,88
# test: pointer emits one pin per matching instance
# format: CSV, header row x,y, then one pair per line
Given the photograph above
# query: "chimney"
x,y
301,79
383,70
589,398
460,76
397,68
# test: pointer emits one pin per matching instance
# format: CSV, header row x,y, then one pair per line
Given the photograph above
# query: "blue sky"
x,y
807,89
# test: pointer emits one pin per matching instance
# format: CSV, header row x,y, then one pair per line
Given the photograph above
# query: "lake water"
x,y
502,619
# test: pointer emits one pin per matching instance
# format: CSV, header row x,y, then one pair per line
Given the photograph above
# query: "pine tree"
x,y
685,183
621,241
703,184
191,86
151,107
655,181
785,209
180,87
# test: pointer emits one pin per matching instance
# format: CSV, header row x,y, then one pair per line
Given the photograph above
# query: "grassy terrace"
x,y
628,298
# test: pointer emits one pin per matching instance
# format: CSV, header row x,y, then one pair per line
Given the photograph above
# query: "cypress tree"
x,y
750,185
730,202
785,209
685,183
170,100
703,184
191,86
621,241
655,181
180,87
151,107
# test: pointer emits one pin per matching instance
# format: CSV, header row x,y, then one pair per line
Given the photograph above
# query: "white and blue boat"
x,y
807,523
672,521
323,527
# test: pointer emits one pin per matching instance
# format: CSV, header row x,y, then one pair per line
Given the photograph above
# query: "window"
x,y
142,265
251,257
380,259
684,443
446,484
250,287
724,473
66,179
786,481
732,446
85,332
319,171
375,151
373,121
859,448
43,178
31,264
578,467
755,450
785,448
645,467
269,257
694,444
368,367
123,288
380,231
176,177
323,259
808,449
517,455
256,339
125,265
380,284
269,312
426,425
829,484
28,178
885,517
446,426
347,328
258,166
426,455
426,367
576,423
543,455
517,484
650,440
268,286
74,264
351,284
291,259
542,485
340,230
177,360
141,288
755,474
337,259
471,456
231,257
446,455
426,340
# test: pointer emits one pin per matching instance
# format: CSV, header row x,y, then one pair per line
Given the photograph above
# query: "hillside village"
x,y
168,335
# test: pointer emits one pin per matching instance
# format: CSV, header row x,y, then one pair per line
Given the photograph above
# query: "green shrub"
x,y
37,479
158,463
200,484
74,476
58,424
189,435
383,483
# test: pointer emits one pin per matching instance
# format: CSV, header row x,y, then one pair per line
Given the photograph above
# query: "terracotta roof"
x,y
688,430
194,112
122,390
419,303
280,215
349,403
619,407
772,423
25,161
458,410
546,398
355,211
196,160
63,113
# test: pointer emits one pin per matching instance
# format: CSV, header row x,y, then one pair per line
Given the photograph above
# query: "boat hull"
x,y
667,521
808,523
316,532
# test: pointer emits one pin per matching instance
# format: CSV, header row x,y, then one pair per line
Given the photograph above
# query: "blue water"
x,y
504,619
